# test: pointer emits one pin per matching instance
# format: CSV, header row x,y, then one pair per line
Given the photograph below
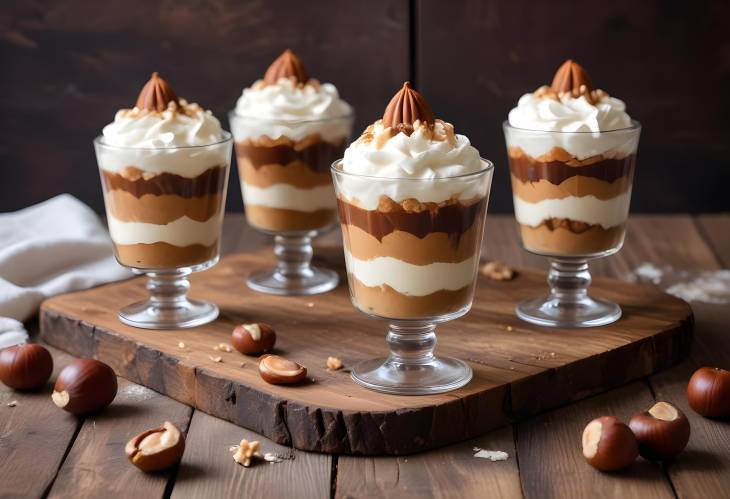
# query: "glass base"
x,y
188,313
552,312
313,281
441,374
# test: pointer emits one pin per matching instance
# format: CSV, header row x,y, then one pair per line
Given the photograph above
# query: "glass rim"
x,y
227,137
284,121
489,167
635,125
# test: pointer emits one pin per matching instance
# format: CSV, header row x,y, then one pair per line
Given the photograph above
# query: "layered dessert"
x,y
288,129
572,150
164,169
412,196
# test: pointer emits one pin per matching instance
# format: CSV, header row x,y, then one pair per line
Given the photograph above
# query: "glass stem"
x,y
569,280
411,343
168,290
293,255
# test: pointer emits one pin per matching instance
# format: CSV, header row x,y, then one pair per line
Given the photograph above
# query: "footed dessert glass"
x,y
165,209
413,264
287,193
571,194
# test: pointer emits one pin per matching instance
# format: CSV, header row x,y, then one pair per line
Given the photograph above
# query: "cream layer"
x,y
289,197
182,232
589,209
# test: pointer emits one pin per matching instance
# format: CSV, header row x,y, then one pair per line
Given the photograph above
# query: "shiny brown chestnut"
x,y
25,367
253,339
662,431
84,386
156,449
608,444
708,392
280,371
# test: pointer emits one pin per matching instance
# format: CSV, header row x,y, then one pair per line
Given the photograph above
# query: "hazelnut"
x,y
253,339
85,385
662,431
280,371
708,392
608,444
25,367
156,449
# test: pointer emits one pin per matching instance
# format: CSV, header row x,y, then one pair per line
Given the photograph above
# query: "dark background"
x,y
66,66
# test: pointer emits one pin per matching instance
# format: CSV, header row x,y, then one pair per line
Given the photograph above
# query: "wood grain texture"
x,y
475,58
34,437
208,470
518,370
449,472
69,65
97,466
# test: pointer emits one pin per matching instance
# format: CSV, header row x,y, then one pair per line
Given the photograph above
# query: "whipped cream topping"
x,y
181,125
312,108
429,153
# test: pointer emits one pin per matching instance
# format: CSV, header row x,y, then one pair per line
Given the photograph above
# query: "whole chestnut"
x,y
25,367
708,392
156,449
608,444
84,386
662,431
253,339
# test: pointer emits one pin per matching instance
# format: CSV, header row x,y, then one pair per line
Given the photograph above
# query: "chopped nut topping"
x,y
498,271
333,363
246,451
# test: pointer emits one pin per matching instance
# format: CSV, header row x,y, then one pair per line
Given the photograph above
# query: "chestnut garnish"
x,y
662,431
608,444
280,371
25,367
84,386
156,449
708,392
253,339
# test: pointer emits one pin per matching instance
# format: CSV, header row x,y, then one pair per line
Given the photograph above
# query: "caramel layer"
x,y
571,239
579,186
528,169
277,219
453,219
404,246
296,173
313,152
161,210
139,183
386,302
163,255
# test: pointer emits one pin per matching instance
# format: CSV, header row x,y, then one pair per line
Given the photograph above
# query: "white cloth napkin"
x,y
53,247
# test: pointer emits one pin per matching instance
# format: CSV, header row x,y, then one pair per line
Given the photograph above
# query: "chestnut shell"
x,y
90,385
25,367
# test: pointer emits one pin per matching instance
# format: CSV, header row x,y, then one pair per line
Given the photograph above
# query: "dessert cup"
x,y
287,193
165,209
413,264
571,194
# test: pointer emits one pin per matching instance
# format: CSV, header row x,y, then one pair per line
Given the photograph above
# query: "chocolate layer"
x,y
453,219
528,169
164,255
318,155
571,238
139,183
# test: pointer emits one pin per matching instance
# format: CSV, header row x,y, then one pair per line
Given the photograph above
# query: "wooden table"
x,y
46,452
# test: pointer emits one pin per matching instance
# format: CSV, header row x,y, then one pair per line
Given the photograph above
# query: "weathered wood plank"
x,y
208,470
716,230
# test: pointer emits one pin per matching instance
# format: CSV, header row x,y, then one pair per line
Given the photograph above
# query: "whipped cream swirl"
x,y
289,109
436,154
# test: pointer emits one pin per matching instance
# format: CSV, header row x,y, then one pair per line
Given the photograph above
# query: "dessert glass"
x,y
571,210
166,225
414,267
287,193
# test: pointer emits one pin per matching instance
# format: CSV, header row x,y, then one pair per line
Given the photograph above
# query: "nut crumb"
x,y
243,364
245,452
334,364
215,359
12,403
510,328
310,304
181,345
224,348
497,271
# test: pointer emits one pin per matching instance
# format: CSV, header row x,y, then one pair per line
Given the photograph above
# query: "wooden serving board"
x,y
519,369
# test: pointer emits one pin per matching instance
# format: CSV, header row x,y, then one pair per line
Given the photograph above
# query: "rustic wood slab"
x,y
519,369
